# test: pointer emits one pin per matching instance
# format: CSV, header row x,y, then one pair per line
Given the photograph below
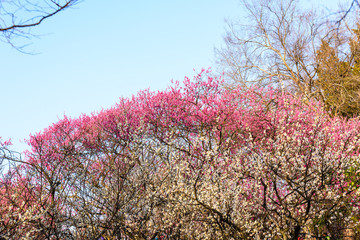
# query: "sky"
x,y
86,57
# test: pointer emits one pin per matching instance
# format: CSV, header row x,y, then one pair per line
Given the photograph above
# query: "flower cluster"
x,y
190,162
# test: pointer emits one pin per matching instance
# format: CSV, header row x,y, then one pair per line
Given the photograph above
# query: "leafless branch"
x,y
18,17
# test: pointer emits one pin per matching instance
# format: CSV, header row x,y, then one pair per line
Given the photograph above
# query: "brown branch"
x,y
15,26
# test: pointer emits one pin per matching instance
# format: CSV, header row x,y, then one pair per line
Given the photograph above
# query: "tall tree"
x,y
339,80
286,47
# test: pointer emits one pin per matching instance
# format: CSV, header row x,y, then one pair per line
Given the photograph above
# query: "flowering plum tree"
x,y
196,161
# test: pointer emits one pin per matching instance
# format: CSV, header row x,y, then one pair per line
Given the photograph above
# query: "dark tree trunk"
x,y
296,233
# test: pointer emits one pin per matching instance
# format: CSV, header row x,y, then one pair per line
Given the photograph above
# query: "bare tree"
x,y
279,45
275,47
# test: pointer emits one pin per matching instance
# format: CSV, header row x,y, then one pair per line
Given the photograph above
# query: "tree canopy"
x,y
197,161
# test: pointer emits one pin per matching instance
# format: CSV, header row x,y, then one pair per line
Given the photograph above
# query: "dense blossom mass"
x,y
195,161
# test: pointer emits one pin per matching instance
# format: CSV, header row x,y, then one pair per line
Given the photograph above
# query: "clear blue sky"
x,y
93,54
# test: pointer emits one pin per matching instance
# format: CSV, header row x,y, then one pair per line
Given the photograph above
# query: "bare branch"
x,y
18,17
